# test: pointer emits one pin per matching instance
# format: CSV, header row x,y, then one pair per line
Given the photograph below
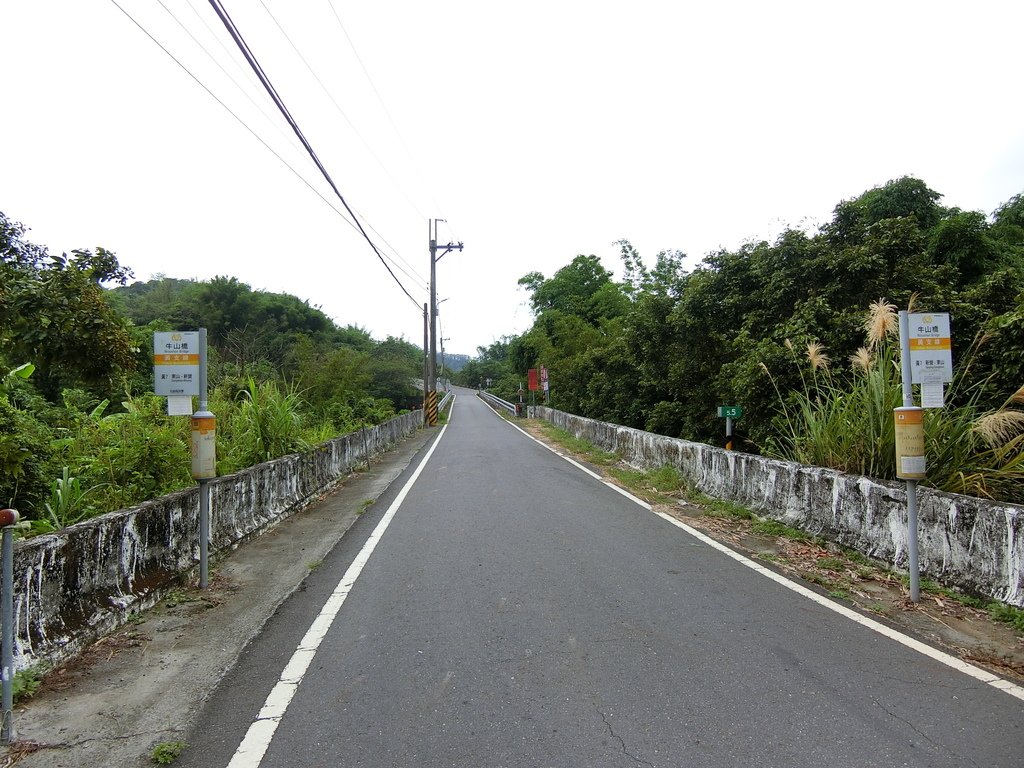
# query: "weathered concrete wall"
x,y
79,583
967,542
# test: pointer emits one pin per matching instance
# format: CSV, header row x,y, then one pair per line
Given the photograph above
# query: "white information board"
x,y
931,347
176,363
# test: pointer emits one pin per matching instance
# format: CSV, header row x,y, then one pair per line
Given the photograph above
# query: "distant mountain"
x,y
455,363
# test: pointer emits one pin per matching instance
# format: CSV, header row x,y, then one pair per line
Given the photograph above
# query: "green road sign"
x,y
729,411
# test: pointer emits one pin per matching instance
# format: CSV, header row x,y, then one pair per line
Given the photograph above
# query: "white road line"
x,y
943,658
257,739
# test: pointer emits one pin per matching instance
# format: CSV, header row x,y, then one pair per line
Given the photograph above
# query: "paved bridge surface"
x,y
499,606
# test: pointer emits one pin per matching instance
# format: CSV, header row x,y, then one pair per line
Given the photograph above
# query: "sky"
x,y
536,130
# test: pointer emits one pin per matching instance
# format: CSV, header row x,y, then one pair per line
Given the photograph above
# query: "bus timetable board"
x,y
176,363
931,349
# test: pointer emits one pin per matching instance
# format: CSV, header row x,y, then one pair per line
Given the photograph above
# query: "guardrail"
x,y
516,409
444,401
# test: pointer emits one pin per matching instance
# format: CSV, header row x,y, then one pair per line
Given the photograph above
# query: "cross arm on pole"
x,y
447,248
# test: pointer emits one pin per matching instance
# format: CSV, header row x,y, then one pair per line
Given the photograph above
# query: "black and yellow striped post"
x,y
431,409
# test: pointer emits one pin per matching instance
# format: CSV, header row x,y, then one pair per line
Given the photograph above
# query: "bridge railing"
x,y
444,401
515,409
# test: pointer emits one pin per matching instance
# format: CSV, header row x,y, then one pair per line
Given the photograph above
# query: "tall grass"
x,y
264,423
844,421
101,461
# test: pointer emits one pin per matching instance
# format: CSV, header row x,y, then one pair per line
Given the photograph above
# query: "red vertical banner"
x,y
531,377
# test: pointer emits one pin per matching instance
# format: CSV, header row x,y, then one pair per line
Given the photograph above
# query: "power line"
x,y
411,273
232,113
355,130
256,136
226,73
343,114
276,98
384,106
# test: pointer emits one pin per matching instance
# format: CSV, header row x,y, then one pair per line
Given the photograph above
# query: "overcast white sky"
x,y
539,130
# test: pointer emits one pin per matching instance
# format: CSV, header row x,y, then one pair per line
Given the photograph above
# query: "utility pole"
x,y
431,384
444,370
426,365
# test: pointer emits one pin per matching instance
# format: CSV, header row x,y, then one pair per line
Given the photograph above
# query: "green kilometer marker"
x,y
729,411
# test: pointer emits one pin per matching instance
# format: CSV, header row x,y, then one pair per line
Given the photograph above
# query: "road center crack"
x,y
622,743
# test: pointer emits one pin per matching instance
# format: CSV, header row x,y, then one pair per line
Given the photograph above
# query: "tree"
x,y
900,198
574,289
54,313
962,242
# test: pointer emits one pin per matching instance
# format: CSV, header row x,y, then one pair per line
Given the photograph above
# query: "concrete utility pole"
x,y
426,357
431,383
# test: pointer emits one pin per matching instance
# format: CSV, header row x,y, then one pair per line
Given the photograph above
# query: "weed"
x,y
166,752
839,594
26,683
854,556
1007,614
579,445
720,508
365,505
770,557
66,504
178,596
631,478
814,578
314,564
769,527
959,597
666,478
832,563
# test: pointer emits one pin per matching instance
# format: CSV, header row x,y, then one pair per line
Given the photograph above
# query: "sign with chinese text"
x,y
176,363
544,379
931,348
531,378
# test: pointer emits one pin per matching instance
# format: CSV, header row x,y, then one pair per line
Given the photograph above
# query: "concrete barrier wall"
x,y
970,543
74,585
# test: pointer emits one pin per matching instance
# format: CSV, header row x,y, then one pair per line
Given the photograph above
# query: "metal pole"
x,y
204,485
203,360
728,433
7,617
426,364
204,533
908,402
433,310
366,449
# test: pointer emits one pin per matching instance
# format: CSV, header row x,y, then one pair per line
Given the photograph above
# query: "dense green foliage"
x,y
661,349
80,433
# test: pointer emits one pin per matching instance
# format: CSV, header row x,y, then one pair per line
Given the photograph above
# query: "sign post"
x,y
544,384
179,374
8,519
729,412
926,358
204,461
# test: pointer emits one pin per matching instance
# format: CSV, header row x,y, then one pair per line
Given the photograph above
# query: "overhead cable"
x,y
383,106
341,112
232,113
410,273
279,103
227,74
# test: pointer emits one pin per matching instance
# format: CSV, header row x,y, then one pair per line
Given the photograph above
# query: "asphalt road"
x,y
518,612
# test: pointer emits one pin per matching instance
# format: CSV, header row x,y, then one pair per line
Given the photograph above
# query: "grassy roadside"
x,y
977,629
